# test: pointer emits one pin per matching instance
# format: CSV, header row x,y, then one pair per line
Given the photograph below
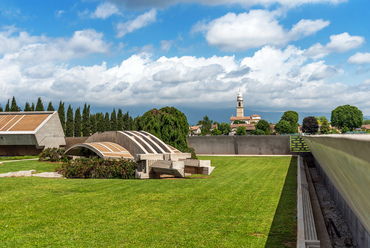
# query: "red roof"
x,y
248,127
256,115
367,127
234,118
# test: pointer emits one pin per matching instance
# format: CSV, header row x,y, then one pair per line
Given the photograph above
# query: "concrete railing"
x,y
306,234
343,161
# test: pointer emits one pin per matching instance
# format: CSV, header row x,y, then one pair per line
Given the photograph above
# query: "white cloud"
x,y
166,45
139,22
360,58
338,43
254,29
143,4
105,10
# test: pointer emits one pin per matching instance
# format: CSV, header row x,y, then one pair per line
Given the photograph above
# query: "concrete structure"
x,y
240,113
243,144
343,161
27,133
153,156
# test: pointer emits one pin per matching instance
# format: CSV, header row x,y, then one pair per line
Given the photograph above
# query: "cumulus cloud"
x,y
257,28
338,43
272,79
139,22
360,58
105,10
143,4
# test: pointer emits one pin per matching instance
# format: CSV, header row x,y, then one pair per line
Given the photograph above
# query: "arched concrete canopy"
x,y
102,149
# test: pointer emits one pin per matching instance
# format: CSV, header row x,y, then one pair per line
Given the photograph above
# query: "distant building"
x,y
195,130
240,119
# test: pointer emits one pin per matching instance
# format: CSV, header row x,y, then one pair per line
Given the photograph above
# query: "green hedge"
x,y
53,155
98,168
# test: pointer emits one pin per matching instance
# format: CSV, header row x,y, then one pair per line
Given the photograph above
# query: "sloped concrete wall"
x,y
344,163
242,145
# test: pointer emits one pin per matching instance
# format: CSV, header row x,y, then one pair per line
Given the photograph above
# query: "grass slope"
x,y
240,205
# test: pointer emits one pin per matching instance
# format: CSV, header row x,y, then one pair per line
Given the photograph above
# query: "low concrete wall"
x,y
243,144
70,141
343,162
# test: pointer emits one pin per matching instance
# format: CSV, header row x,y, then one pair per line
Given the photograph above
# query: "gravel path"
x,y
339,233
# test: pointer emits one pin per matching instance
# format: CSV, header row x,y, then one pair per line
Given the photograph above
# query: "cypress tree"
x,y
119,120
86,121
1,108
14,107
128,122
113,120
93,124
50,107
7,107
100,126
62,116
27,107
39,105
33,107
107,125
69,124
77,127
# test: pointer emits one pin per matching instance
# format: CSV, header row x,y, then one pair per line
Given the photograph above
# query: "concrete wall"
x,y
70,141
243,144
344,164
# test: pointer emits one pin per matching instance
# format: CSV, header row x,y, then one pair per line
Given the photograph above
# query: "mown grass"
x,y
27,165
2,158
235,207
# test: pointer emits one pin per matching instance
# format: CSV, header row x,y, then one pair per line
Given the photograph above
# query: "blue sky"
x,y
303,55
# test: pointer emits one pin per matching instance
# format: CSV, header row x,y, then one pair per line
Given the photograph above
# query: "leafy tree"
x,y
39,105
14,107
77,123
86,121
7,106
69,123
366,122
62,115
107,125
334,131
1,108
344,129
168,124
310,125
119,120
283,126
241,130
216,132
238,122
346,116
263,125
27,107
292,117
50,107
113,120
206,125
325,126
225,128
258,132
320,119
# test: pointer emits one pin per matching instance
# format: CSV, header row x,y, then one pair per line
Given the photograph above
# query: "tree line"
x,y
75,123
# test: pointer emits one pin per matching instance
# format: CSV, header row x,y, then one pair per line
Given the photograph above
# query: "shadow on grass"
x,y
283,232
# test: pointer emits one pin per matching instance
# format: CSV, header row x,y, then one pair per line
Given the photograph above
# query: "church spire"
x,y
239,105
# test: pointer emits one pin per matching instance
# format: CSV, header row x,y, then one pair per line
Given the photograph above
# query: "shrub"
x,y
192,151
98,168
53,155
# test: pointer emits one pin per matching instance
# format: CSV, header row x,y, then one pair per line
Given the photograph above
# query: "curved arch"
x,y
102,149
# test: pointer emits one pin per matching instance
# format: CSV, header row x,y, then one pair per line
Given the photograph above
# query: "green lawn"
x,y
27,165
247,202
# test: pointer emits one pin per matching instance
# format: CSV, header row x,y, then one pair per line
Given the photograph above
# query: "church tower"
x,y
239,106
